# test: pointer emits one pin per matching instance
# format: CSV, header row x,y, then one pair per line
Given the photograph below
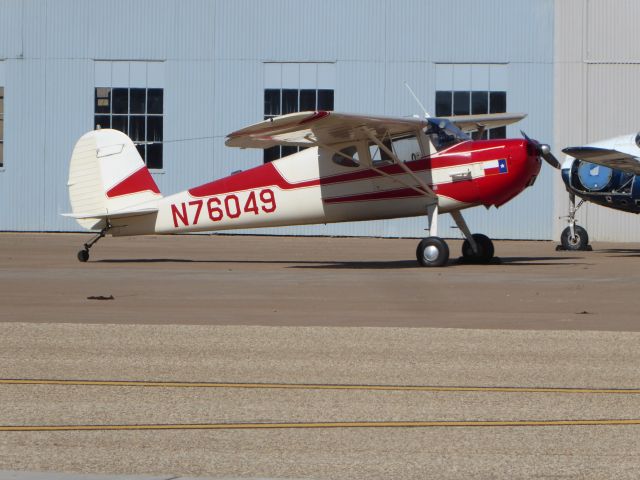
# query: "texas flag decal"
x,y
495,167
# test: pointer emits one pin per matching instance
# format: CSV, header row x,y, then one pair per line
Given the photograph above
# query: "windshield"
x,y
444,133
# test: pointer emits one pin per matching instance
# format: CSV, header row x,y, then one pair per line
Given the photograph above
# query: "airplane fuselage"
x,y
307,188
603,185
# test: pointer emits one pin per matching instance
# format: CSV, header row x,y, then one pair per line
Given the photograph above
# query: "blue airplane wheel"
x,y
579,241
432,252
485,249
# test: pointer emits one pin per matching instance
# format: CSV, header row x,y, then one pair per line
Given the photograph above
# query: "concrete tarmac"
x,y
310,312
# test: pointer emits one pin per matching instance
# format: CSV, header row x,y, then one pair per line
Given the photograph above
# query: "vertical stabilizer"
x,y
107,177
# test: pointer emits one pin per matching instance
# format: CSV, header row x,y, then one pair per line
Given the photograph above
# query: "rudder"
x,y
107,177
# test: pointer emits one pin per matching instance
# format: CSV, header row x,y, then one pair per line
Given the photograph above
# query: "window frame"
x,y
279,151
127,116
291,87
441,96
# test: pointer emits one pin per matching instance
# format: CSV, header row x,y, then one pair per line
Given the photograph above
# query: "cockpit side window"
x,y
379,156
406,148
347,157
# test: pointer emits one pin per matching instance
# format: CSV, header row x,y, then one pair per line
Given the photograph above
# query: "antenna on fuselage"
x,y
415,97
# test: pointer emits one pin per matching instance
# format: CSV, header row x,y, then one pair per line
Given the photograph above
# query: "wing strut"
x,y
426,190
377,170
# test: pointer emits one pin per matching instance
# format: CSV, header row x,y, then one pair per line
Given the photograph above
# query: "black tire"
x,y
83,255
432,252
485,249
579,241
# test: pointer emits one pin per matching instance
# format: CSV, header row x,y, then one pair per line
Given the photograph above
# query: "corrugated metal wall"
x,y
596,96
214,54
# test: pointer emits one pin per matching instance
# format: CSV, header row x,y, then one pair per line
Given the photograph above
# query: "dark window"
x,y
307,100
461,103
271,154
325,100
138,112
499,132
103,121
479,102
1,127
284,101
271,102
137,128
120,100
120,122
138,100
497,102
289,101
444,104
475,103
155,98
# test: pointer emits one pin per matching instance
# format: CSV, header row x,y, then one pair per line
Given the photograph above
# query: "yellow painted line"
x,y
248,426
312,386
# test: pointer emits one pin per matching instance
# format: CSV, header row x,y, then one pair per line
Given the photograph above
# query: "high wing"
x,y
606,157
306,129
472,123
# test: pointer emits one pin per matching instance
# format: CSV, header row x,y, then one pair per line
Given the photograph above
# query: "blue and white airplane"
x,y
606,173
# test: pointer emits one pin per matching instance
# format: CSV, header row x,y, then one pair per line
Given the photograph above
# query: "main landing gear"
x,y
83,255
574,237
433,251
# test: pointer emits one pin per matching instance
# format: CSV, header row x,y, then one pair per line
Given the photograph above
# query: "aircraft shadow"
x,y
357,265
187,260
529,261
534,261
622,252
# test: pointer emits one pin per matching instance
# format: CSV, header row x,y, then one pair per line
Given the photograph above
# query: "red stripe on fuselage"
x,y
463,153
258,177
373,196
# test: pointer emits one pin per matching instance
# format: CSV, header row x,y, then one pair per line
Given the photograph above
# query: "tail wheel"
x,y
578,241
432,252
485,249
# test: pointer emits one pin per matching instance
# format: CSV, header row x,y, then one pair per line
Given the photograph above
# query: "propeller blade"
x,y
547,156
544,151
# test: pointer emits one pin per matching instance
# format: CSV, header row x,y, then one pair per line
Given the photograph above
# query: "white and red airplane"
x,y
357,168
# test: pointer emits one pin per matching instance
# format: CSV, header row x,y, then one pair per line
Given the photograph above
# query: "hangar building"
x,y
179,75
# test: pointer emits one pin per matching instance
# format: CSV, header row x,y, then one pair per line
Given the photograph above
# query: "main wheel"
x,y
83,255
432,252
578,241
485,249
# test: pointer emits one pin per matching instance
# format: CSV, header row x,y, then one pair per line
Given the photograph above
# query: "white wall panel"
x,y
480,78
22,181
189,124
597,67
612,31
69,99
11,29
326,75
61,40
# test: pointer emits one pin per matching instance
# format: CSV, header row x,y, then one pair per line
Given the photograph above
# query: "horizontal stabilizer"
x,y
118,214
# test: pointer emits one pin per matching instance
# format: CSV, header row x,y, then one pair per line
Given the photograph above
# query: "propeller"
x,y
544,151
